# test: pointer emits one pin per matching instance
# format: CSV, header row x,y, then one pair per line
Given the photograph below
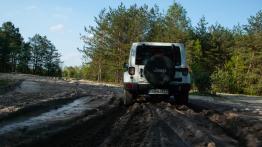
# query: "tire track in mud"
x,y
195,129
42,134
130,128
154,125
160,133
246,127
89,131
162,124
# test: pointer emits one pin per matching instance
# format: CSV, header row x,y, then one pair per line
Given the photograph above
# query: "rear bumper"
x,y
144,88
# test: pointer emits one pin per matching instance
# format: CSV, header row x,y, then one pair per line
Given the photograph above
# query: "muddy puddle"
x,y
65,112
141,124
97,118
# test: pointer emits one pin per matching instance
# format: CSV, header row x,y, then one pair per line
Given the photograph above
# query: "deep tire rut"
x,y
87,131
151,125
164,125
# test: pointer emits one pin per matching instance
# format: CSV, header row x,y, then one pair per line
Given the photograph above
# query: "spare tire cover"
x,y
159,70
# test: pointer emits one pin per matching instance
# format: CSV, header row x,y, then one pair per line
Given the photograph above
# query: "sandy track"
x,y
165,125
147,124
98,118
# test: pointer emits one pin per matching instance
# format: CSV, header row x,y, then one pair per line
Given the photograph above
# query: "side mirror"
x,y
125,66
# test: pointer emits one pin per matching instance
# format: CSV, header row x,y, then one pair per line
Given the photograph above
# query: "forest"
x,y
220,59
37,56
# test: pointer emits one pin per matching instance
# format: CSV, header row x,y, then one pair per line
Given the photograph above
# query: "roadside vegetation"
x,y
221,59
37,56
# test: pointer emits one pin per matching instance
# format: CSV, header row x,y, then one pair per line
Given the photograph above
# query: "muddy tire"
x,y
129,98
182,99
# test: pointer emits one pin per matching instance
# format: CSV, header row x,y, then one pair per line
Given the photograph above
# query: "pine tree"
x,y
45,59
24,58
10,47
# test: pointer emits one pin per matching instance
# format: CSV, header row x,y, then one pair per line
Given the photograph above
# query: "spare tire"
x,y
159,70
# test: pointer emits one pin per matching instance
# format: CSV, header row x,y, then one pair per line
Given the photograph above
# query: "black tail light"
x,y
131,70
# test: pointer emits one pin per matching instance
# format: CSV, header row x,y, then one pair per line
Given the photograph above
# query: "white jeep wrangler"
x,y
156,69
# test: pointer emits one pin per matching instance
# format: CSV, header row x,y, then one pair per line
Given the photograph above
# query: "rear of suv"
x,y
156,68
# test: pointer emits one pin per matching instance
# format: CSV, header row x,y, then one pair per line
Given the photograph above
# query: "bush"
x,y
200,78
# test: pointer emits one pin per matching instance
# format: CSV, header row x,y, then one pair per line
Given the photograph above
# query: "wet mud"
x,y
106,122
95,116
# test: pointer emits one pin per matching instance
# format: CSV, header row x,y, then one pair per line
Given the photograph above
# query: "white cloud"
x,y
57,28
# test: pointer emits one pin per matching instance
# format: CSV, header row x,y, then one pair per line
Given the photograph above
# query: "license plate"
x,y
158,91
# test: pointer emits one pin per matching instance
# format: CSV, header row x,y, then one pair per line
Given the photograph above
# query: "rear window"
x,y
145,52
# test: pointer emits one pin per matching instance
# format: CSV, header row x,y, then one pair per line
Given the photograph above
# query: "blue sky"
x,y
62,21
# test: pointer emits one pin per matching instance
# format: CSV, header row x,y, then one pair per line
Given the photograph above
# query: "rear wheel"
x,y
129,98
182,99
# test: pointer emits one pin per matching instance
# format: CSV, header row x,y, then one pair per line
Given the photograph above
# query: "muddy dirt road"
x,y
93,115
